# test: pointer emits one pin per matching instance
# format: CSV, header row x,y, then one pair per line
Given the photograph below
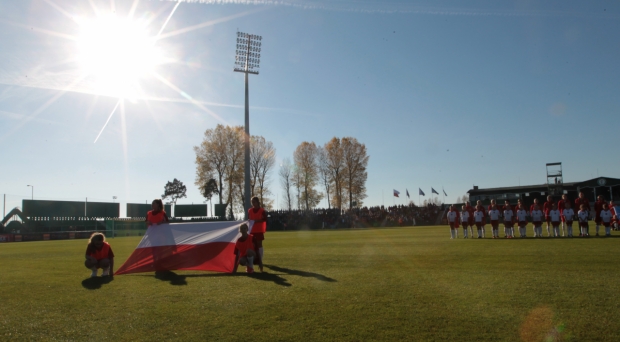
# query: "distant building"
x,y
608,187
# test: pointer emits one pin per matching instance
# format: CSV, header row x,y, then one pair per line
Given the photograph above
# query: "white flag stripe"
x,y
195,233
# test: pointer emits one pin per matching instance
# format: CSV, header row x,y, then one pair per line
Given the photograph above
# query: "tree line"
x,y
338,168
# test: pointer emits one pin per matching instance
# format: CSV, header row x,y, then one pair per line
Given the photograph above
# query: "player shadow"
x,y
264,276
301,273
96,282
173,278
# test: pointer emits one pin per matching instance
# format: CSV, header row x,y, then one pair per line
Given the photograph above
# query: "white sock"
x,y
106,271
465,232
597,228
260,251
94,272
250,262
607,230
479,232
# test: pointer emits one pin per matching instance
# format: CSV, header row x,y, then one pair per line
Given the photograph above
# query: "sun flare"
x,y
117,53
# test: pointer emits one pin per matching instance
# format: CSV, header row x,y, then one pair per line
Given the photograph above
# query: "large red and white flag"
x,y
207,246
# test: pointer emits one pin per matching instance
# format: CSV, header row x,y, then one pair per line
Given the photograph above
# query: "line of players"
x,y
555,215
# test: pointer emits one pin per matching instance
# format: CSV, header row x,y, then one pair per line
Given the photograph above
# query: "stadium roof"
x,y
525,188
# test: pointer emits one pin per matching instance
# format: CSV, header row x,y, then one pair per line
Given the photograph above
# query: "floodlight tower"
x,y
247,61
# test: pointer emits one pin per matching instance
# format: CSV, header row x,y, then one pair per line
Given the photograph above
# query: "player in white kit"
x,y
453,221
537,217
556,219
568,214
494,216
522,220
479,221
583,221
508,223
606,217
465,221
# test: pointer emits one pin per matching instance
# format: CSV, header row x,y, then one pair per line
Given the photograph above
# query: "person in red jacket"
x,y
582,200
156,216
99,255
598,207
547,206
245,250
259,227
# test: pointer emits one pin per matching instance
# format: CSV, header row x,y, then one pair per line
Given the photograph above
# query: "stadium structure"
x,y
609,188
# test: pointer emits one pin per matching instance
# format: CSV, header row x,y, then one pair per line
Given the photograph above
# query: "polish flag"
x,y
206,246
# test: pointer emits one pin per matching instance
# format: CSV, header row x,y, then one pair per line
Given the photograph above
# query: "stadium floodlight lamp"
x,y
247,61
32,192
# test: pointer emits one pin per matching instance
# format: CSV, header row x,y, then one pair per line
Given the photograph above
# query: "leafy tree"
x,y
174,190
355,161
305,157
286,181
210,189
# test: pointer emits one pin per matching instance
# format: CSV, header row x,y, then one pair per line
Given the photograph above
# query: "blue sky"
x,y
444,94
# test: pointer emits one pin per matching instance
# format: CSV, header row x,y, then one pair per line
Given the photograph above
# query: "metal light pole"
x,y
247,61
32,192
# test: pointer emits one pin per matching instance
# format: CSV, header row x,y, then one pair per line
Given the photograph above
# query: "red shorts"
x,y
555,224
598,220
479,225
536,223
569,223
508,224
470,221
465,224
259,236
494,224
607,224
548,218
522,223
453,225
583,224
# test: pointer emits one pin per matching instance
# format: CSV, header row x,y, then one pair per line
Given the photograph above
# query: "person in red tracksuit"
x,y
582,200
156,216
259,228
245,250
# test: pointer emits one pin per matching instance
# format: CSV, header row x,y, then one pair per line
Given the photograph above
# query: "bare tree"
x,y
335,165
262,160
355,162
286,180
324,172
305,158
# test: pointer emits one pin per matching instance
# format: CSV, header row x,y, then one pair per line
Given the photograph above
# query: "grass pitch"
x,y
352,285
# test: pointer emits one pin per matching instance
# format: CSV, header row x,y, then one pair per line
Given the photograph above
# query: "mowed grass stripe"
x,y
410,283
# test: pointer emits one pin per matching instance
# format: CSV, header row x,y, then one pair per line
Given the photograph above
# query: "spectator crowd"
x,y
380,216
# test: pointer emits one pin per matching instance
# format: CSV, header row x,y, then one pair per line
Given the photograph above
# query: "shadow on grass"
x,y
264,276
96,282
300,273
173,278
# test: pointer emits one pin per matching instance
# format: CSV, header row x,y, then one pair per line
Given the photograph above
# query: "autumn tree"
x,y
262,160
305,158
286,181
324,172
355,159
335,167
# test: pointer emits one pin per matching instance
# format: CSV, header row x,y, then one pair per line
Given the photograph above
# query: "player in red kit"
x,y
259,216
547,206
561,206
598,207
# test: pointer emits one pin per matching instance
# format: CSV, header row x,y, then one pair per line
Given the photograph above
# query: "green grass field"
x,y
411,284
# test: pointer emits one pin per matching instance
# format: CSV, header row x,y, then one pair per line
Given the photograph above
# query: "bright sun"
x,y
118,53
